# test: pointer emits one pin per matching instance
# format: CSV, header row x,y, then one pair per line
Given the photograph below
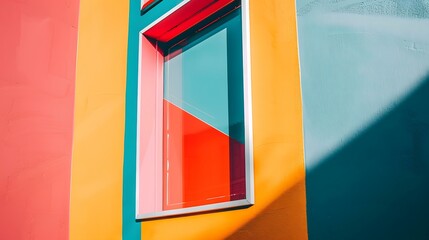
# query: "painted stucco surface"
x,y
37,76
98,143
365,76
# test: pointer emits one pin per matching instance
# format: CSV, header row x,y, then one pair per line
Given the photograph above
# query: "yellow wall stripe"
x,y
96,185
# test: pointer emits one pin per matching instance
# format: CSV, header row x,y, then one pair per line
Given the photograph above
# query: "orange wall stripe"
x,y
96,186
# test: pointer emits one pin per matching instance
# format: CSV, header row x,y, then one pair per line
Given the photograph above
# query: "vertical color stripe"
x,y
96,189
365,85
37,73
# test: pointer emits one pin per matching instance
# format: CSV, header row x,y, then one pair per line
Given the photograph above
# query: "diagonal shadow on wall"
x,y
375,187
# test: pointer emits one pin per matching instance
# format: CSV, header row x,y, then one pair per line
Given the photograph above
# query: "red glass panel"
x,y
196,161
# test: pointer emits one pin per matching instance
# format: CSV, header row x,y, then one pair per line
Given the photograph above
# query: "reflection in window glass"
x,y
203,138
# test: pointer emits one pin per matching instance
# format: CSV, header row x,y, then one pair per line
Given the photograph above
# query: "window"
x,y
194,148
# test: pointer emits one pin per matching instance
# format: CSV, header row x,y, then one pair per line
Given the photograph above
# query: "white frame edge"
x,y
138,127
248,117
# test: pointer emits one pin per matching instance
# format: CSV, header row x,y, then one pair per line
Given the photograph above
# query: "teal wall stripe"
x,y
365,89
131,230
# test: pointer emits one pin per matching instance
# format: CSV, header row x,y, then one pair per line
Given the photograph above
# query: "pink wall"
x,y
37,76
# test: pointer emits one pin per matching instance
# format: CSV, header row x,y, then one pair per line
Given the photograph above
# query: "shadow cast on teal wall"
x,y
365,90
377,185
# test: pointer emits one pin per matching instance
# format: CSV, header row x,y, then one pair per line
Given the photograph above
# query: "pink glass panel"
x,y
150,145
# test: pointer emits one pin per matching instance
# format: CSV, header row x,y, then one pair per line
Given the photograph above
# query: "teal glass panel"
x,y
203,76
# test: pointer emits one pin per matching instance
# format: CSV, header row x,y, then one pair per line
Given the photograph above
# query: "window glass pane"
x,y
203,120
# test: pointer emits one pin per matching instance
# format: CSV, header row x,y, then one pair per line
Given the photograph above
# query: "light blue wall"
x,y
365,88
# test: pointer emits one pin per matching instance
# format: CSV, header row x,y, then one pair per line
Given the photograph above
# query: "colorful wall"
x,y
364,79
37,88
353,101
